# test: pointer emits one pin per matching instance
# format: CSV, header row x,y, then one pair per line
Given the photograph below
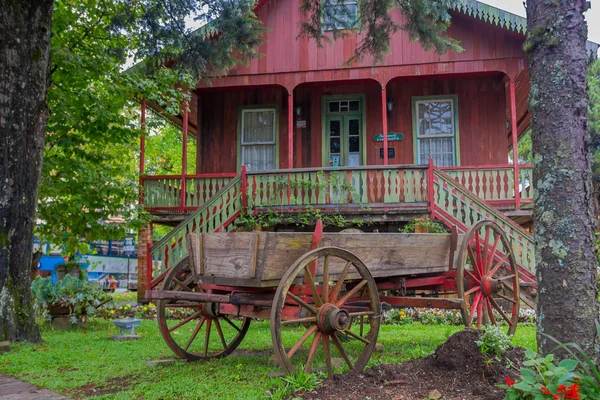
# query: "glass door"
x,y
344,140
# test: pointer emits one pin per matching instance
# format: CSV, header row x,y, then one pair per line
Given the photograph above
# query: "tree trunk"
x,y
567,304
24,77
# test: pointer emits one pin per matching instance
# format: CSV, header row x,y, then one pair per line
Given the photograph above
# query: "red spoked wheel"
x,y
196,331
487,277
330,296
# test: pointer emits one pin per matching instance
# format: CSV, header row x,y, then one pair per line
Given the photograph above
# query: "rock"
x,y
62,322
379,348
168,361
275,374
4,347
121,338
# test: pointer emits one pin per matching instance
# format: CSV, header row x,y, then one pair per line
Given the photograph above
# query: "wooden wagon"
x,y
324,293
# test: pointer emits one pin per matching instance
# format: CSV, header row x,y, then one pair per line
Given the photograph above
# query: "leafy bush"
x,y
397,316
82,298
541,378
432,227
494,341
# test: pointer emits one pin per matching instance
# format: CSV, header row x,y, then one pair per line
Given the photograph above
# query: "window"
x,y
340,14
258,139
436,131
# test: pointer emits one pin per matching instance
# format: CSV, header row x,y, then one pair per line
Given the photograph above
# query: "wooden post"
x,y
182,193
385,127
430,192
290,128
142,149
244,188
515,142
144,258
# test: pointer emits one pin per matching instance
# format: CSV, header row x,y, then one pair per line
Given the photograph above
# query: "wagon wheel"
x,y
488,277
193,330
326,312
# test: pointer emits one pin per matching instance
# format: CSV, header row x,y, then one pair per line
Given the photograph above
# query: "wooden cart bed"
x,y
259,259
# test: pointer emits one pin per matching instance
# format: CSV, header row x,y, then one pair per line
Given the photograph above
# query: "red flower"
x,y
509,381
545,390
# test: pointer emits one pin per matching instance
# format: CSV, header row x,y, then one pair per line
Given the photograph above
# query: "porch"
x,y
376,193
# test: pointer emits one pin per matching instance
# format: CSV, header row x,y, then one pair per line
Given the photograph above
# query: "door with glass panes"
x,y
344,133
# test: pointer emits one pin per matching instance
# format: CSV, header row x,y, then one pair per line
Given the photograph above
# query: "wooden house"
x,y
420,134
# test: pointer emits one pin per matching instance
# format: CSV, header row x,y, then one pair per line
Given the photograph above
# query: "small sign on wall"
x,y
391,137
300,124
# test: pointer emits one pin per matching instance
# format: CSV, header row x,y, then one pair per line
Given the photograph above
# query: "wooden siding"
x,y
481,120
218,115
481,117
284,51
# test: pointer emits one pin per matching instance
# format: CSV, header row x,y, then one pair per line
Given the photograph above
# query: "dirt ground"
x,y
456,371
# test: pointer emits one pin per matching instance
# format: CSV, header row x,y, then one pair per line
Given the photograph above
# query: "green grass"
x,y
68,360
121,297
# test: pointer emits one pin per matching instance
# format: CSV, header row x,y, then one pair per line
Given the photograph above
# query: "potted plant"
x,y
69,301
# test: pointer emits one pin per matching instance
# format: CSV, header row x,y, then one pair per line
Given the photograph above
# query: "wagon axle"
x,y
332,319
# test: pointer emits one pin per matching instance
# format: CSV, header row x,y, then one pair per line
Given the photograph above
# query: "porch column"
x,y
385,124
290,139
142,149
143,245
182,203
515,141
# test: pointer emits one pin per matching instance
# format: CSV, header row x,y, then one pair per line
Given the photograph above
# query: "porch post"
x,y
290,128
515,141
182,203
385,124
142,149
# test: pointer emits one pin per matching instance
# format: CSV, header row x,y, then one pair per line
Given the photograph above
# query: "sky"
x,y
592,15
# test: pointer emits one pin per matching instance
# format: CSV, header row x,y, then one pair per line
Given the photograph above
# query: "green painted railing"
x,y
495,183
163,193
216,214
370,186
460,207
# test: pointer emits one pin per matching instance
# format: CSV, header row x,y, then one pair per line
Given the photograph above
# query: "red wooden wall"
x,y
285,52
218,116
481,119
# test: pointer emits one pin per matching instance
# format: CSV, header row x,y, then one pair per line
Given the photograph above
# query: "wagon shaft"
x,y
191,296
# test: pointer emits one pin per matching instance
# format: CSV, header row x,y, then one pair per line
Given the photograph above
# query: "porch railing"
x,y
338,187
167,193
495,183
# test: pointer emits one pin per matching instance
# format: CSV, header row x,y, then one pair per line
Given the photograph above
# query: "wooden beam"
x,y
515,140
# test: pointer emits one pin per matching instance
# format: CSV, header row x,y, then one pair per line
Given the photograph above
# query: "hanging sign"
x,y
392,137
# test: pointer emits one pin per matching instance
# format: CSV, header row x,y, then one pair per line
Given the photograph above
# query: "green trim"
x,y
324,121
239,131
454,99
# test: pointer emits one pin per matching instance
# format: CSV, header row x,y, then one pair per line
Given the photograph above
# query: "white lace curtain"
x,y
435,132
258,139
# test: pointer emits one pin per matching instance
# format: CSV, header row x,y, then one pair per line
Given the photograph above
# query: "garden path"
x,y
13,388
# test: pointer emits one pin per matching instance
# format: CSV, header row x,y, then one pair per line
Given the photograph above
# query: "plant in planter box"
x,y
423,225
69,296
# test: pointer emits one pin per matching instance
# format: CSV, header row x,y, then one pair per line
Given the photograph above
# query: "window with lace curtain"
x,y
340,14
258,138
436,130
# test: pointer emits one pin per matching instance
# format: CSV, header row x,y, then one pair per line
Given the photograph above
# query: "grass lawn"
x,y
79,361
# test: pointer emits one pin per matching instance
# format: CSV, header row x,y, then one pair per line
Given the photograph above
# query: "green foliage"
x,y
426,21
541,378
494,341
80,296
294,383
525,148
424,223
164,144
397,316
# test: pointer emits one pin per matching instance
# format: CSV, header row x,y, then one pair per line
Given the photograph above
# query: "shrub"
x,y
494,342
541,378
425,222
82,298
